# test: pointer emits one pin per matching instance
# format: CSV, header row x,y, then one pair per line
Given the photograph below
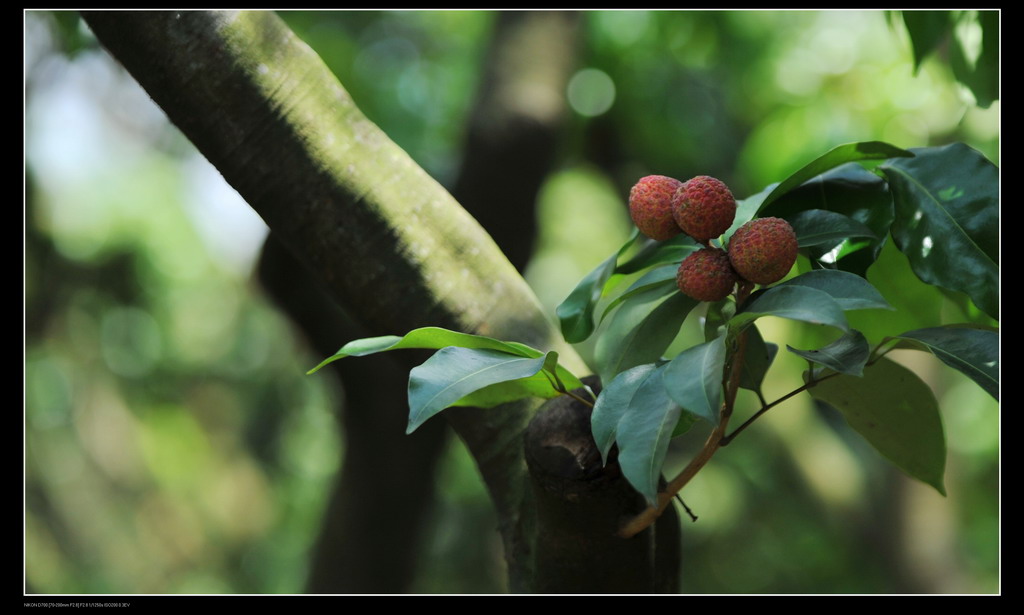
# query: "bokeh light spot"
x,y
591,92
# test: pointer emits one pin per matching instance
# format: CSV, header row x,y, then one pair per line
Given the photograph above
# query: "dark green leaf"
x,y
660,276
644,432
975,352
454,373
612,404
896,413
846,355
850,152
757,358
793,302
576,313
981,76
854,192
431,338
947,220
850,291
926,29
817,227
640,331
658,252
694,379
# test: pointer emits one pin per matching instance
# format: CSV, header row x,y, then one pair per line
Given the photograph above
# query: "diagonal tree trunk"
x,y
370,539
384,238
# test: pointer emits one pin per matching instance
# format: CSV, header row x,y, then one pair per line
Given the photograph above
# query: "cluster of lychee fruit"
x,y
761,251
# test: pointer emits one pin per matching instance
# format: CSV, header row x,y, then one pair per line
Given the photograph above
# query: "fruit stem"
x,y
743,291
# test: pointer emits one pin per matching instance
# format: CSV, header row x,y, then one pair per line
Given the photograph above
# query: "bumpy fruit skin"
x,y
704,208
763,250
650,206
706,275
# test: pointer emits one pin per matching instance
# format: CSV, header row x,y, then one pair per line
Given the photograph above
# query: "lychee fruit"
x,y
650,206
763,250
704,208
707,275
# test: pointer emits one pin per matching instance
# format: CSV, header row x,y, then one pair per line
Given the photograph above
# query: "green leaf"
x,y
717,317
612,404
492,395
431,338
658,277
658,252
454,373
926,29
846,355
644,432
746,209
974,352
850,152
576,313
560,375
981,76
757,358
640,331
947,220
854,192
850,291
694,379
543,384
793,302
896,413
686,421
816,227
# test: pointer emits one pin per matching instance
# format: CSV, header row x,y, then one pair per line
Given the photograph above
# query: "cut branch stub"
x,y
580,507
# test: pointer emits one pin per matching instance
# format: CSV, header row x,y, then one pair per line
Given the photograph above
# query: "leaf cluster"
x,y
938,205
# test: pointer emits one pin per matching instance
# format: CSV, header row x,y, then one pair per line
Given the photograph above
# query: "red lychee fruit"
x,y
704,208
707,275
650,206
763,250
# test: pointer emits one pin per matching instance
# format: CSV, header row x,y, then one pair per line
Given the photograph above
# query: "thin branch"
x,y
875,359
766,407
693,517
727,439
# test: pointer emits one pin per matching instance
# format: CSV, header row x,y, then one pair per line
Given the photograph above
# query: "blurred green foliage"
x,y
173,444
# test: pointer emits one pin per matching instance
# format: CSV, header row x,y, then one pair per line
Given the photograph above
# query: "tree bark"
x,y
384,238
582,503
369,540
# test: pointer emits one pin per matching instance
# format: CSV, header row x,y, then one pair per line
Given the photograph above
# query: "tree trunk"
x,y
580,507
369,540
370,537
384,238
